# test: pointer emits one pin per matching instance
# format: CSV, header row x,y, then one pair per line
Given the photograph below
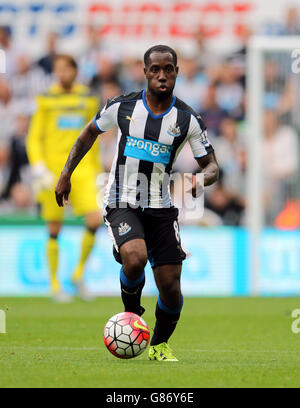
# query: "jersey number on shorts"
x,y
176,228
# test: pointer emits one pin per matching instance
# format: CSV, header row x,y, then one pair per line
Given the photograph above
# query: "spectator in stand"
x,y
11,52
191,83
19,172
230,93
211,112
290,27
95,48
292,22
97,56
279,93
281,162
21,198
238,59
108,90
228,206
46,62
88,59
206,59
8,112
279,140
229,151
132,75
28,81
106,72
4,169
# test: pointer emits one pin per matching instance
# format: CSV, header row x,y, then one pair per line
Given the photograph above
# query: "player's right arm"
x,y
101,123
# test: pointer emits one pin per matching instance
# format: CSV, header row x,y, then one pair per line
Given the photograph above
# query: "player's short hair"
x,y
160,48
68,58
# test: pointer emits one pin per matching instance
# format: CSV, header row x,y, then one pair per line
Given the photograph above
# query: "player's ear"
x,y
177,70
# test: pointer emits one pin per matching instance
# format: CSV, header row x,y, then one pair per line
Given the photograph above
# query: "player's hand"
x,y
196,188
62,189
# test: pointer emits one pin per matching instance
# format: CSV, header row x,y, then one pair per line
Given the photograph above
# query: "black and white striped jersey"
x,y
147,147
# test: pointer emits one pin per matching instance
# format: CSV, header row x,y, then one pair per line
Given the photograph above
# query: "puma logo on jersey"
x,y
130,119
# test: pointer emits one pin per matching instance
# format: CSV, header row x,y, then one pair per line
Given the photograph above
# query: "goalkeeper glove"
x,y
42,178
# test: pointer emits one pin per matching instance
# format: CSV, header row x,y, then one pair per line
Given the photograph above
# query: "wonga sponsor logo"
x,y
148,150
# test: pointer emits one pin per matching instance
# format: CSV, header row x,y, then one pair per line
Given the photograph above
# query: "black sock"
x,y
131,292
166,323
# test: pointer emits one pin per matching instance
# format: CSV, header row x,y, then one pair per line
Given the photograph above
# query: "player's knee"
x,y
134,263
93,222
54,229
92,229
172,298
170,289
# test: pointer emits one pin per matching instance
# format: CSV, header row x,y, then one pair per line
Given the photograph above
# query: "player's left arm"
x,y
203,150
209,167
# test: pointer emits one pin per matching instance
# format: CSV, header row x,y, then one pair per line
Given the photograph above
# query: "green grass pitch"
x,y
220,342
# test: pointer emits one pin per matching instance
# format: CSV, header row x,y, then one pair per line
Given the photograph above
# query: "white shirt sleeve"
x,y
197,137
107,118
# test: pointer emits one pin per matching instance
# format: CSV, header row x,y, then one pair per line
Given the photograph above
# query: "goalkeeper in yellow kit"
x,y
61,113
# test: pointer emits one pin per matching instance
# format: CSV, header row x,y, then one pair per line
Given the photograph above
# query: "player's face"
x,y
64,72
161,73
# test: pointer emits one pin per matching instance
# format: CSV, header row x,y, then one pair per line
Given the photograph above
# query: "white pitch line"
x,y
48,348
99,348
236,351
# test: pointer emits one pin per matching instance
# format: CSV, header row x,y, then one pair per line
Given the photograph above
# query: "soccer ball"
x,y
126,335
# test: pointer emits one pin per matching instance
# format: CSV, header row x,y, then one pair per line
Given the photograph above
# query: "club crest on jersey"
x,y
124,228
174,130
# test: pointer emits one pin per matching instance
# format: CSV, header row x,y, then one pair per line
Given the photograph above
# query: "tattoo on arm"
x,y
210,168
78,151
82,145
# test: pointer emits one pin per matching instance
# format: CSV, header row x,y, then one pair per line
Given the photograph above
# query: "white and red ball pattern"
x,y
126,335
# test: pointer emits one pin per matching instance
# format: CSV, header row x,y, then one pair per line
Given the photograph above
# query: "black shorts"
x,y
157,226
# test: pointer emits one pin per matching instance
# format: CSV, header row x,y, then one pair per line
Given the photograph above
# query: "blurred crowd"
x,y
212,85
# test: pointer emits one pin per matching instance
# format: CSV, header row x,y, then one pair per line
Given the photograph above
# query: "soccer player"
x,y
142,222
61,113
